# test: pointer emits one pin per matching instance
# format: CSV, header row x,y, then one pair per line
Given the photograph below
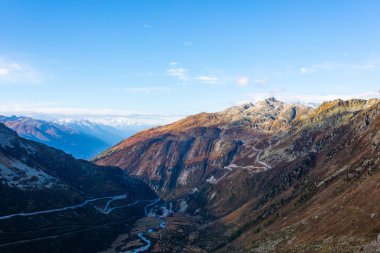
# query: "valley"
x,y
204,126
265,177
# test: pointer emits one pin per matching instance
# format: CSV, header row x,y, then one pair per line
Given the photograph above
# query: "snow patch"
x,y
19,175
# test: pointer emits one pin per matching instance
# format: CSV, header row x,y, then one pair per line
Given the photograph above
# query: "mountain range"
x,y
265,177
259,177
81,138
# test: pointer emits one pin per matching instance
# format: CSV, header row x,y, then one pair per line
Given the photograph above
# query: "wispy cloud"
x,y
112,117
207,79
242,81
147,26
147,89
213,77
15,72
180,73
186,78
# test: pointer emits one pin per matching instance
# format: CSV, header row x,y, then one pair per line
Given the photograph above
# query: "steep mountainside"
x,y
178,157
321,193
81,139
35,178
269,177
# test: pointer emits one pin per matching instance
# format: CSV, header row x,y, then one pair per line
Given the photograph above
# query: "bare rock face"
x,y
321,193
270,115
177,158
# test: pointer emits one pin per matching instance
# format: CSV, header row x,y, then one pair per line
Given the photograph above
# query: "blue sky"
x,y
183,57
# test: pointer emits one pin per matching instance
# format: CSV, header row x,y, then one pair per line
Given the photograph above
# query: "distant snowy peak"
x,y
78,141
83,138
269,114
83,123
312,105
122,122
271,102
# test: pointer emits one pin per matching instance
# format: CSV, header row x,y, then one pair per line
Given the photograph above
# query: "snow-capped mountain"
x,y
81,138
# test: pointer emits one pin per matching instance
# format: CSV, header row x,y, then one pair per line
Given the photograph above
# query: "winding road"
x,y
106,210
265,165
254,169
112,198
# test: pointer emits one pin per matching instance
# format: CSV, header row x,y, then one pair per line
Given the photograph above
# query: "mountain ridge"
x,y
252,170
50,194
233,115
83,139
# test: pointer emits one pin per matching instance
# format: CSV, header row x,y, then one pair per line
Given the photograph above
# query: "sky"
x,y
166,59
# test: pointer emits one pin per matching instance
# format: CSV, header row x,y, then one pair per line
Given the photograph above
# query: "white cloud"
x,y
305,70
174,63
207,79
179,73
315,68
12,72
242,81
147,26
4,72
112,117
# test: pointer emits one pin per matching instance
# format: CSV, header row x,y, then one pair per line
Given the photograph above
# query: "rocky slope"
x,y
321,194
176,158
269,177
35,177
